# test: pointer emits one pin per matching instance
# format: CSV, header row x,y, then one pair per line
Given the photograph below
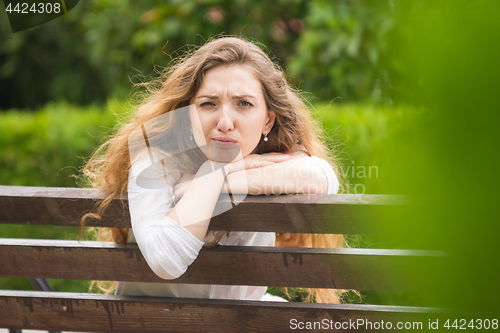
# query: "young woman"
x,y
223,121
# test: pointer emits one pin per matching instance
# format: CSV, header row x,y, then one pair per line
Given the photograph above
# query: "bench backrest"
x,y
362,269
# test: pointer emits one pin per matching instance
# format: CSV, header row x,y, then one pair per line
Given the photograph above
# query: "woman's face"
x,y
231,111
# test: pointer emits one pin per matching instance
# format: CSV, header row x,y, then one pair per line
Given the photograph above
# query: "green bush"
x,y
48,147
331,48
366,134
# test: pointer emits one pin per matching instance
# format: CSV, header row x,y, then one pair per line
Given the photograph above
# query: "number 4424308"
x,y
462,324
40,7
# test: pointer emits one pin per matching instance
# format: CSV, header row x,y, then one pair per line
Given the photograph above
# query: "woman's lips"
x,y
223,144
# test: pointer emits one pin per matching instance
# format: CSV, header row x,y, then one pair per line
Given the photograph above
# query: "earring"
x,y
191,136
265,138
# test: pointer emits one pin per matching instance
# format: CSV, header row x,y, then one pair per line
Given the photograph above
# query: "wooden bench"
x,y
361,269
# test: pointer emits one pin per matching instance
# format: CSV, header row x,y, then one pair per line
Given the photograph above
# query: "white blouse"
x,y
169,248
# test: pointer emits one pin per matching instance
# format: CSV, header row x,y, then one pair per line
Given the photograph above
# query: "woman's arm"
x,y
299,176
170,235
310,175
194,211
166,235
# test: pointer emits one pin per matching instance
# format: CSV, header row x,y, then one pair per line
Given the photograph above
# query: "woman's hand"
x,y
252,161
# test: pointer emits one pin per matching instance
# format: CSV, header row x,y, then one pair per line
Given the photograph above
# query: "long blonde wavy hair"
x,y
108,167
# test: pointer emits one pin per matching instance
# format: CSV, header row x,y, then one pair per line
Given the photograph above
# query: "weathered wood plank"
x,y
363,269
110,313
346,214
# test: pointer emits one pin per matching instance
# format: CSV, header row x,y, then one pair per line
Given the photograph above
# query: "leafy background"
x,y
330,48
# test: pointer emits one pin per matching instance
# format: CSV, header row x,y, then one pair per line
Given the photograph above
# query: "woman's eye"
x,y
207,104
247,103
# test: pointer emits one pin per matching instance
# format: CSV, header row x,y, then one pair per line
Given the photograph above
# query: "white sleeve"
x,y
167,246
333,182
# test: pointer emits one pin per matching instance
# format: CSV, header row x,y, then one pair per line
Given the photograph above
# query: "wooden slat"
x,y
109,313
363,269
346,214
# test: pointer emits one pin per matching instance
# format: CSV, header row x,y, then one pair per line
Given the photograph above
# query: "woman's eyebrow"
x,y
244,96
234,96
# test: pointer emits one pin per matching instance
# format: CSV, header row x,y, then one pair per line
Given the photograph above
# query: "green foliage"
x,y
331,48
447,56
47,148
338,54
366,134
48,62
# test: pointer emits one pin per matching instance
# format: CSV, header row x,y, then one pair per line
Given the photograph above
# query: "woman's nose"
x,y
226,122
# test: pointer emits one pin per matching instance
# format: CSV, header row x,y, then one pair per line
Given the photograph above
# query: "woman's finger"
x,y
254,161
253,164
